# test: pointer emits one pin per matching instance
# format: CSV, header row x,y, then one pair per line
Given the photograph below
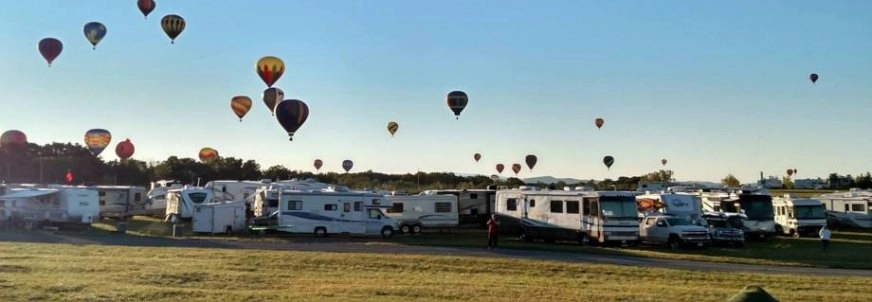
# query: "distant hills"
x,y
553,180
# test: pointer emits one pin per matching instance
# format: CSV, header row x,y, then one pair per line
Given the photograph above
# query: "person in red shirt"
x,y
492,232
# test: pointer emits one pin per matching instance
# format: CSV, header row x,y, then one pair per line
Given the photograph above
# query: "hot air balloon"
x,y
146,6
789,172
97,140
94,32
173,26
270,69
457,101
271,97
516,168
599,122
12,137
318,164
794,170
531,161
208,154
69,177
50,48
393,127
813,77
500,168
347,165
291,114
124,149
240,105
608,161
476,157
663,161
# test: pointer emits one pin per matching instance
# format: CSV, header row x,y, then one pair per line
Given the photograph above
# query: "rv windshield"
x,y
757,207
809,212
619,206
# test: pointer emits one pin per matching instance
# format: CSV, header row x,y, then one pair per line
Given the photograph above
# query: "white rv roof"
x,y
28,193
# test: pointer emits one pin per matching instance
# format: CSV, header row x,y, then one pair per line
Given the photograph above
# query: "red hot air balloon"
x,y
318,164
531,161
599,122
69,177
291,114
146,7
476,157
208,154
347,165
457,101
50,49
13,137
516,168
124,149
813,77
500,168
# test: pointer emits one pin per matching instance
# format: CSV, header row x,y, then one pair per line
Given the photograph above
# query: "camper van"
x,y
328,211
219,217
586,216
848,209
181,202
416,212
474,206
798,216
59,207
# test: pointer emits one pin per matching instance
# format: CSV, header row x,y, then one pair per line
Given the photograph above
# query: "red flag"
x,y
69,177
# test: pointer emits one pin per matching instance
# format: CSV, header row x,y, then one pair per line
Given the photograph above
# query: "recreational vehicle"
x,y
235,190
474,206
756,205
266,198
586,216
416,212
59,207
181,202
677,204
798,216
220,217
156,197
121,201
849,209
328,211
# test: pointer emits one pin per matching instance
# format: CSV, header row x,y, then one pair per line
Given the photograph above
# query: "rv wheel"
x,y
320,232
416,229
583,239
387,232
404,229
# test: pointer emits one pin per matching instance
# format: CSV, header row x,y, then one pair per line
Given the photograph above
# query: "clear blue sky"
x,y
715,87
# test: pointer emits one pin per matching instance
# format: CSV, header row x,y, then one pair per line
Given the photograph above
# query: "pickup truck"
x,y
725,228
674,231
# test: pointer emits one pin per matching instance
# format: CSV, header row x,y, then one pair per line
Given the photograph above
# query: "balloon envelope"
x,y
97,140
13,137
124,149
146,7
50,49
271,97
173,26
240,105
813,77
608,161
663,161
531,161
208,154
476,157
789,172
292,114
457,101
500,168
516,168
347,165
318,164
94,32
393,127
270,69
599,122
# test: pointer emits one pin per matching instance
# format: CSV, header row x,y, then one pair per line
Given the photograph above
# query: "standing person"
x,y
492,232
825,237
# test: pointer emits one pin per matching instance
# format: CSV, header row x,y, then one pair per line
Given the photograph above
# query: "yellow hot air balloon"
x,y
392,127
270,69
240,105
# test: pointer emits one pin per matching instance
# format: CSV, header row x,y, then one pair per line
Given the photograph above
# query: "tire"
x,y
387,232
321,232
794,234
416,229
673,243
584,240
405,229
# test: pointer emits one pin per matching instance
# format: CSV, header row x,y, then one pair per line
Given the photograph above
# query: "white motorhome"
x,y
156,197
474,206
755,204
59,206
220,217
585,216
850,209
328,211
798,216
416,212
266,198
679,204
181,202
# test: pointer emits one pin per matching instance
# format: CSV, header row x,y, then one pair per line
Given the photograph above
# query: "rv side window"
x,y
557,206
572,207
358,206
443,207
137,197
101,193
397,207
330,207
586,205
511,204
294,205
346,207
532,203
198,197
272,203
847,207
857,207
473,196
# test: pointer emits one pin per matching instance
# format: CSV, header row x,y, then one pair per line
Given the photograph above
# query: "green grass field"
x,y
63,272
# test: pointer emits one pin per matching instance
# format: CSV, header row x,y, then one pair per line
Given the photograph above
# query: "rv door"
x,y
354,222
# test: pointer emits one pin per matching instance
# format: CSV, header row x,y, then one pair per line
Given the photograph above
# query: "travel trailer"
x,y
220,217
121,201
474,206
416,212
328,211
755,204
676,204
798,216
266,198
156,197
61,207
848,209
181,202
586,216
235,190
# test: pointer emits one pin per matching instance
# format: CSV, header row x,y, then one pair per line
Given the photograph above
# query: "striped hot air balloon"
x,y
457,101
393,127
292,114
241,105
208,154
97,140
173,26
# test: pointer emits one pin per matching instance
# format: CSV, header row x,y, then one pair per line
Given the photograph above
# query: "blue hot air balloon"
x,y
94,32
